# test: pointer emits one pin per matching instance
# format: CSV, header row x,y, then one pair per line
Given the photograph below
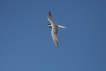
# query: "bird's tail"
x,y
59,26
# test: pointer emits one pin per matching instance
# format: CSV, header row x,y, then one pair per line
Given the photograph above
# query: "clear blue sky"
x,y
26,44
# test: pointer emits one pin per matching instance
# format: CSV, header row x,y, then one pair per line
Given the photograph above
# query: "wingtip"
x,y
57,45
49,13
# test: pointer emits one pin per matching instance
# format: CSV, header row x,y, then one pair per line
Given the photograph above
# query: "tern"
x,y
54,27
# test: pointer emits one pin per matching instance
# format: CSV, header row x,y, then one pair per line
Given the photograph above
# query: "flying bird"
x,y
54,27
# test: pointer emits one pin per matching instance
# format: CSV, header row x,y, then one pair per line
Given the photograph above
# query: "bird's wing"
x,y
50,18
54,36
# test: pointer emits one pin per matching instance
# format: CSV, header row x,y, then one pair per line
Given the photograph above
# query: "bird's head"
x,y
49,25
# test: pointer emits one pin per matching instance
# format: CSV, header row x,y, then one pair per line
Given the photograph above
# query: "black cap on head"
x,y
49,24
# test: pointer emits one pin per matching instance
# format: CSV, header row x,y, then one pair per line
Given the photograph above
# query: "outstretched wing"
x,y
50,18
54,36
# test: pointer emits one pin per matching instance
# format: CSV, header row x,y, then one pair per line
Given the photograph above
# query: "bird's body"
x,y
54,27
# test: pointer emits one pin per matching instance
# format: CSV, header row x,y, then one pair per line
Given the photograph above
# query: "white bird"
x,y
54,27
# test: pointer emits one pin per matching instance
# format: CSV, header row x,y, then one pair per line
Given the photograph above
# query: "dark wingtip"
x,y
49,13
57,46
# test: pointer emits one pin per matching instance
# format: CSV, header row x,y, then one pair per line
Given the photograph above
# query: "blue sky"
x,y
26,44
